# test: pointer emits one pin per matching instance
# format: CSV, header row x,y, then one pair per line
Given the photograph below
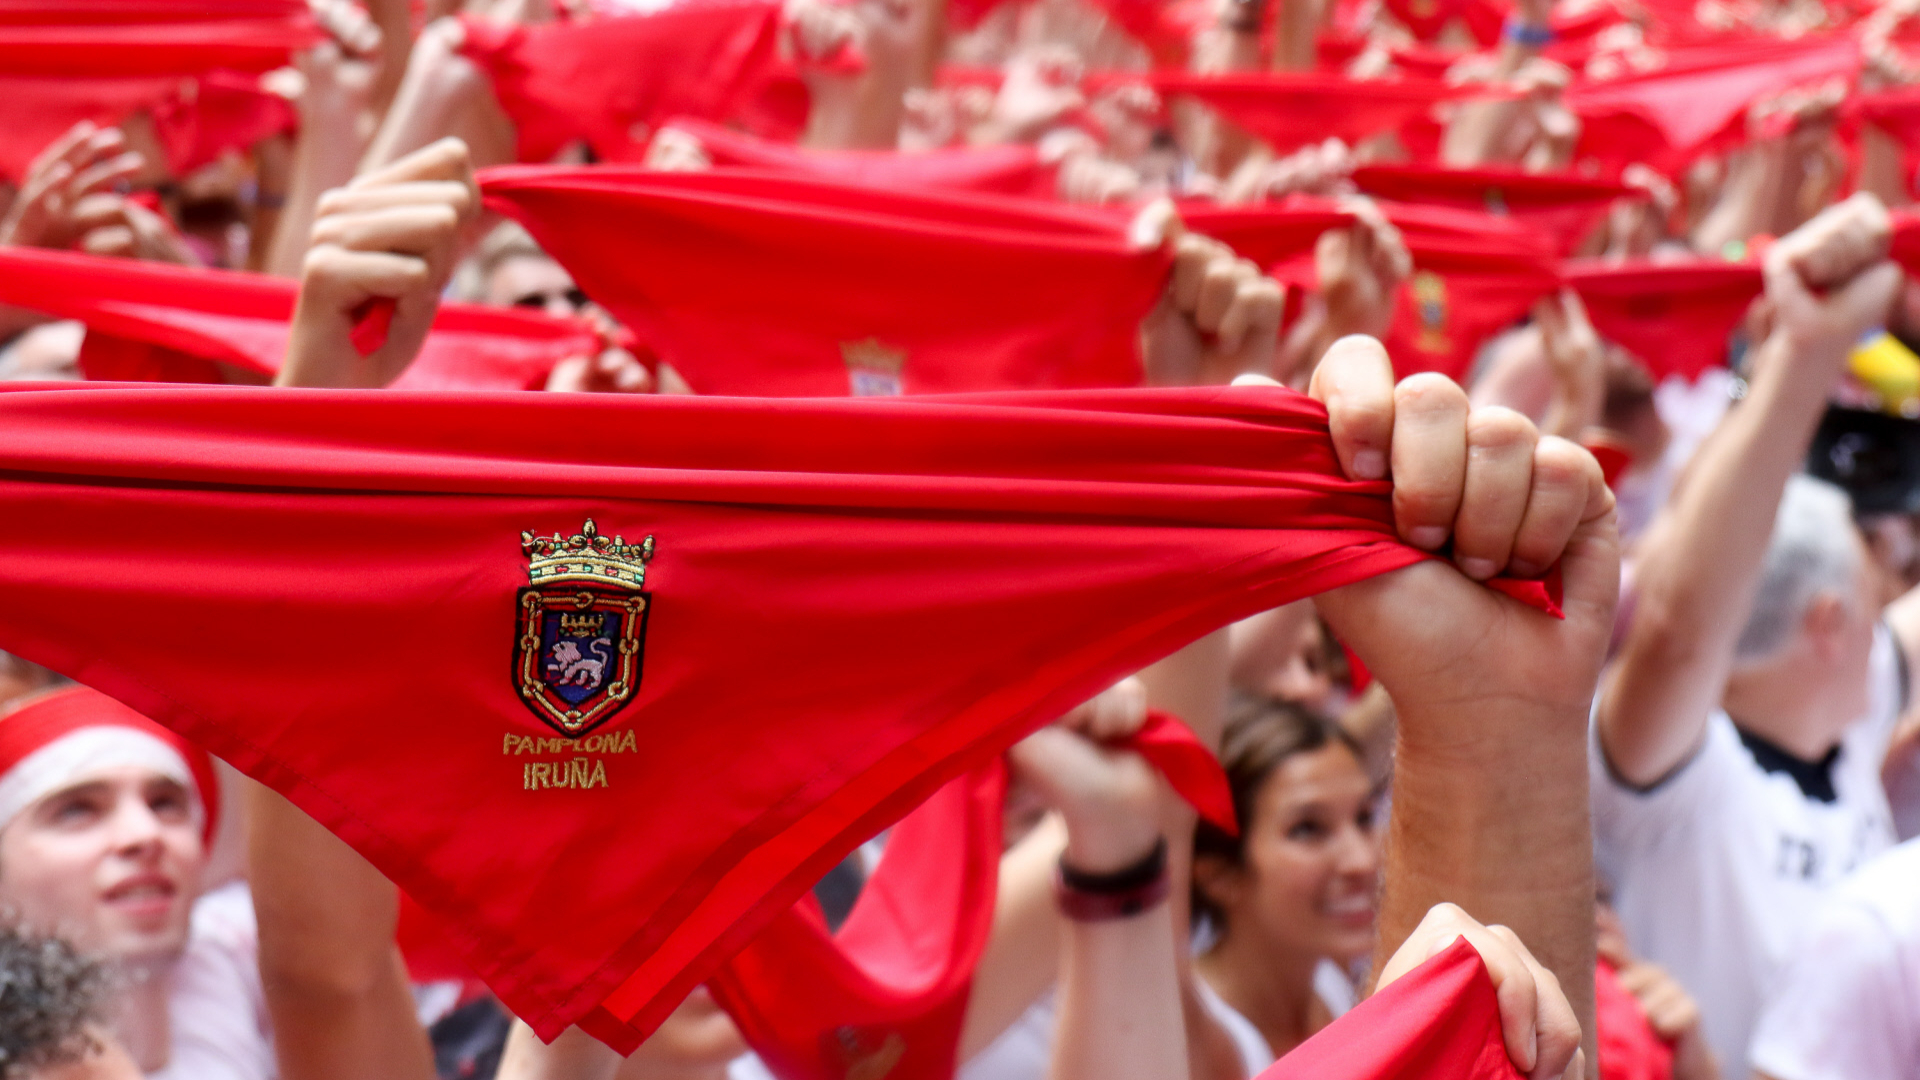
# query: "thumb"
x,y
1157,224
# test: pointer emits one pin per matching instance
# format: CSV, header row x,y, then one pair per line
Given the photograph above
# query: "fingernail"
x,y
1427,536
1369,464
1478,569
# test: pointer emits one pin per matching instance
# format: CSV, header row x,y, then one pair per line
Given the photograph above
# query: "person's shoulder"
x,y
1887,886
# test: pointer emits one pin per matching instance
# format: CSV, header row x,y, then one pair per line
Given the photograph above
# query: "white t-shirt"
x,y
1717,870
1023,1050
1847,1005
217,1007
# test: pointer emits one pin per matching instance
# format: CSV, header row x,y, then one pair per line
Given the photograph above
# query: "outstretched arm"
x,y
1704,556
1490,804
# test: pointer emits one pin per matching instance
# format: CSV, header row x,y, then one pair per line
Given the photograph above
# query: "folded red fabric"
x,y
134,49
1294,109
1440,1021
1006,170
68,12
1675,317
609,82
607,682
157,322
761,283
227,110
1699,95
1564,208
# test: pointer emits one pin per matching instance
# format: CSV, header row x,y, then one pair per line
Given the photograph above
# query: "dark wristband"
x,y
1527,35
1086,897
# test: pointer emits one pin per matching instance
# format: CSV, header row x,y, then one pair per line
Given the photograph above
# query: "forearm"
x,y
1756,177
1490,813
1882,167
1120,1013
1297,26
1022,957
334,982
440,89
1697,581
323,158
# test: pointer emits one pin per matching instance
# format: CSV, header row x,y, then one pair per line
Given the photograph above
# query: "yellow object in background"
x,y
1890,370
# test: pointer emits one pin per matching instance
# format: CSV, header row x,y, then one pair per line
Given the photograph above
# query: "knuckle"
x,y
1430,393
1498,427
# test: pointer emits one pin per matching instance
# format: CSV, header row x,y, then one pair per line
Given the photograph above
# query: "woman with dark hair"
x,y
1295,890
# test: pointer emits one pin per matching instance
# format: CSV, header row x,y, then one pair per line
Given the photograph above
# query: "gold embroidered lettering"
x,y
627,744
599,777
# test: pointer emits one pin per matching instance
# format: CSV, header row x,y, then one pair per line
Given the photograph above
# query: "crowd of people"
x,y
1171,539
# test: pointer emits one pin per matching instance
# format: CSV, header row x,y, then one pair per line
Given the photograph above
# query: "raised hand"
x,y
389,235
86,160
1220,316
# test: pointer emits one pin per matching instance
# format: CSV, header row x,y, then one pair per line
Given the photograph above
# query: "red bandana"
x,y
610,81
604,756
1441,1021
754,283
156,322
1674,317
1629,1047
1006,170
1290,110
1666,117
1562,207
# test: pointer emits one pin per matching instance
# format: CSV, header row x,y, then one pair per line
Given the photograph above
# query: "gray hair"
x,y
1814,550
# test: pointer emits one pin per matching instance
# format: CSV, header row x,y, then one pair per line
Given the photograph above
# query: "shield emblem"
x,y
580,627
577,661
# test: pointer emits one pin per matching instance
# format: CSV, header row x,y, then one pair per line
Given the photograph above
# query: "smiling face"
x,y
1310,867
111,863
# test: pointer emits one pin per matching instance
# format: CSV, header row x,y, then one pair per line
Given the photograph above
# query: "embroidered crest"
x,y
873,369
1430,304
581,623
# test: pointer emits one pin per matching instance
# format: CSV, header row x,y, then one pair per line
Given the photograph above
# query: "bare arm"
x,y
442,94
335,984
1702,565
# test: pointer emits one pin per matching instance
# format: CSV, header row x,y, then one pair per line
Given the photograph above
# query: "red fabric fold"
x,y
846,605
1290,110
1561,207
1675,317
225,110
609,82
757,283
134,49
156,322
1006,170
1440,1021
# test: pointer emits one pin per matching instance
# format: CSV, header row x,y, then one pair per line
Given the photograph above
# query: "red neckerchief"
x,y
1294,109
1440,1021
1562,207
1675,317
157,322
1003,170
609,82
605,757
760,283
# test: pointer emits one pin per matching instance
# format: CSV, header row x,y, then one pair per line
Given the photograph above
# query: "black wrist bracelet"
x,y
1124,880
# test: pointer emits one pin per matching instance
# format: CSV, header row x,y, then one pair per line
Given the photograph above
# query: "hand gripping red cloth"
x,y
1675,317
1005,170
1293,109
806,616
1562,207
1440,1021
157,322
890,988
757,283
1629,1047
1474,274
1667,116
609,82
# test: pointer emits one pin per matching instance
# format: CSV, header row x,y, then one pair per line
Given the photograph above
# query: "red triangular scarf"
x,y
135,49
226,111
158,322
1674,317
1294,109
1667,116
1562,207
756,283
1440,1021
1006,170
610,81
842,605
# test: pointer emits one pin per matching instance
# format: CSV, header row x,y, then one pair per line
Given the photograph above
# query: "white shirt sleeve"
x,y
1631,822
1844,1009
